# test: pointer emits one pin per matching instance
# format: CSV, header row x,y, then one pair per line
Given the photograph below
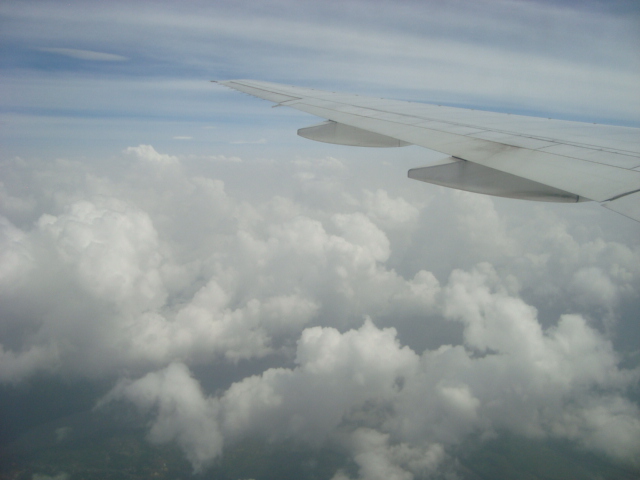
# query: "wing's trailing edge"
x,y
494,153
627,205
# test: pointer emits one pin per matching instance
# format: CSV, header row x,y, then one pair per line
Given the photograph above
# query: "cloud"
x,y
377,459
125,261
249,142
543,385
538,56
335,373
183,414
592,286
17,367
157,270
220,158
111,248
15,259
389,211
149,154
85,54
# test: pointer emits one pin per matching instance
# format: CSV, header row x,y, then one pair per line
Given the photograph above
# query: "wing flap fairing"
x,y
472,177
340,134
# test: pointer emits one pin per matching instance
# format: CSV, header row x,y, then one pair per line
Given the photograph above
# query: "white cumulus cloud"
x,y
386,348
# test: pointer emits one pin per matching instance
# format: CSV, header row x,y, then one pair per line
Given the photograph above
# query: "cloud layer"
x,y
150,270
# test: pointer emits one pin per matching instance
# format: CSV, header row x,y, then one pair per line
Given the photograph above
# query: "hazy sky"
x,y
157,229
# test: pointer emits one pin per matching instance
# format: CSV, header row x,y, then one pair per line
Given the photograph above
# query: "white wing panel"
x,y
629,206
606,157
514,140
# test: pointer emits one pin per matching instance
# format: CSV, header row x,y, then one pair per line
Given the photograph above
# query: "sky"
x,y
174,244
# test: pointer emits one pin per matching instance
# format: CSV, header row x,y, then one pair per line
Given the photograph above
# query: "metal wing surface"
x,y
494,153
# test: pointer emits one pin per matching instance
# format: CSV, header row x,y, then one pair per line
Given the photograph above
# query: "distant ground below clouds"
x,y
113,445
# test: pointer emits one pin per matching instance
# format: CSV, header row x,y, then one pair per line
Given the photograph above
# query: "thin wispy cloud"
x,y
85,54
249,142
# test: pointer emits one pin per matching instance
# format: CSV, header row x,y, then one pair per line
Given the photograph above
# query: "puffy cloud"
x,y
401,411
610,424
561,382
335,373
183,414
112,248
514,375
484,227
17,366
149,154
391,212
15,258
594,287
15,205
159,264
377,460
158,269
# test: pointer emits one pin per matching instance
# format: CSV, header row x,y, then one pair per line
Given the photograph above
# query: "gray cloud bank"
x,y
151,269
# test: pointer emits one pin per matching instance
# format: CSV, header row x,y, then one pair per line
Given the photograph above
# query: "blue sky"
x,y
152,60
157,228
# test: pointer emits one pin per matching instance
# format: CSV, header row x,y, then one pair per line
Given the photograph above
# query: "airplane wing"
x,y
493,153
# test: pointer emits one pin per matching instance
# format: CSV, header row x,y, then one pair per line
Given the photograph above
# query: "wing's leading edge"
x,y
493,153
